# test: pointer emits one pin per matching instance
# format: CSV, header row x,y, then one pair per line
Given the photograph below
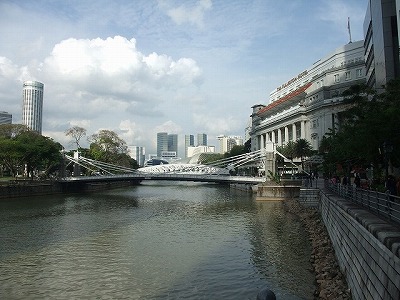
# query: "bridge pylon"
x,y
269,164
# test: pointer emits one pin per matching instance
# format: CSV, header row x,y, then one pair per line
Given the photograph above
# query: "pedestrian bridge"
x,y
138,176
215,172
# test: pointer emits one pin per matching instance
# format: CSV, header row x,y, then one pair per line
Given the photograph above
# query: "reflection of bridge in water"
x,y
216,172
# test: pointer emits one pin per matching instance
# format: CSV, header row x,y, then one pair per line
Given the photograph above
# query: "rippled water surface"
x,y
153,241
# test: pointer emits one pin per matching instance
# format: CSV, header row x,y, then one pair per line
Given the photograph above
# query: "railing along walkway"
x,y
381,204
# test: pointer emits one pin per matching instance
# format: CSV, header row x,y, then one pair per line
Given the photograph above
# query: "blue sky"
x,y
146,66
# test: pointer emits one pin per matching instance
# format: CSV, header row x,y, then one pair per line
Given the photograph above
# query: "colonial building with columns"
x,y
309,105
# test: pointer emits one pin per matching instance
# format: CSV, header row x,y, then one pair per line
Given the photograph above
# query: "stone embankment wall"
x,y
36,188
309,197
367,248
25,189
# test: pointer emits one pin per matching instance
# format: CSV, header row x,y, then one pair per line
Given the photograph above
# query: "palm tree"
x,y
302,149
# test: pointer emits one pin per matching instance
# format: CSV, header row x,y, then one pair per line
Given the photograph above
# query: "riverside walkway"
x,y
364,229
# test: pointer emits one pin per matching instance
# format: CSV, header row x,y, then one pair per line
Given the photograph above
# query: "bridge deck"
x,y
223,179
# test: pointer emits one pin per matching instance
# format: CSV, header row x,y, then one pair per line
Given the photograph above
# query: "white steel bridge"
x,y
217,171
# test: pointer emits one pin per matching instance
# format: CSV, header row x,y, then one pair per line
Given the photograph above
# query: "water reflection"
x,y
155,241
280,246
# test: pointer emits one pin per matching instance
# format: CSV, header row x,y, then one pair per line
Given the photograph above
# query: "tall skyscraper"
x,y
201,139
167,145
162,143
173,143
138,154
32,105
381,42
189,142
5,117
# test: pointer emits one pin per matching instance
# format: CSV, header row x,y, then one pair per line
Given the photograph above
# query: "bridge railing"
x,y
382,204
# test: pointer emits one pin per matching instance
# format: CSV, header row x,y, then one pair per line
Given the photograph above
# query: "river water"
x,y
158,240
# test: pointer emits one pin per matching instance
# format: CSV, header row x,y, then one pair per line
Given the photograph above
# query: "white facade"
x,y
5,117
308,106
200,149
226,143
32,105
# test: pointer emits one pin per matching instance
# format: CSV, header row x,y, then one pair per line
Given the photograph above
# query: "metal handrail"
x,y
382,204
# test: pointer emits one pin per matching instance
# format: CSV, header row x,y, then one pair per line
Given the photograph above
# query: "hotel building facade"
x,y
309,105
32,105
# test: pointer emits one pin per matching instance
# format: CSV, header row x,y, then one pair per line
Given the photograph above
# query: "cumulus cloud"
x,y
220,125
170,127
192,15
117,65
130,132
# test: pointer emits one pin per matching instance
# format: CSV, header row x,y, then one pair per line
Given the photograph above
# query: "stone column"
x,y
286,134
273,136
279,137
262,143
294,131
269,160
303,129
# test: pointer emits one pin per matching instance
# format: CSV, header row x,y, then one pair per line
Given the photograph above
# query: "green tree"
x,y
369,123
108,147
40,153
11,130
302,149
30,150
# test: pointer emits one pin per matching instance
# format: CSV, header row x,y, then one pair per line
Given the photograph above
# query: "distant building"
x,y
200,149
32,105
5,117
189,142
201,139
226,143
173,143
381,42
138,154
162,143
167,144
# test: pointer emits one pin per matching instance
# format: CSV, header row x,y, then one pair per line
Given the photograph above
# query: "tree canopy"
x,y
27,151
369,130
108,147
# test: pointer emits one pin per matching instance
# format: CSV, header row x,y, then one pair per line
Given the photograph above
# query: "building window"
x,y
337,78
348,75
359,73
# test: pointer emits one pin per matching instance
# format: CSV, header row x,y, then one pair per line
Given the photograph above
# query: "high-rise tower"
x,y
201,139
32,105
189,142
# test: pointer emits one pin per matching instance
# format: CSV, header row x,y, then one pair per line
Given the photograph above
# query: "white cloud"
x,y
192,15
115,65
169,126
131,132
218,125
